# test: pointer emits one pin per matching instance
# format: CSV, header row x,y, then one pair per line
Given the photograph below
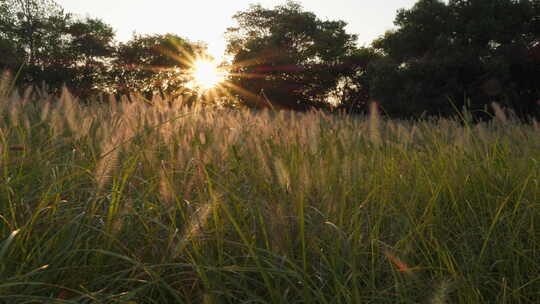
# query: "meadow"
x,y
158,202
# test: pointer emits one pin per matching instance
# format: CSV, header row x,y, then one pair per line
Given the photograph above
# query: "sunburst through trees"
x,y
207,74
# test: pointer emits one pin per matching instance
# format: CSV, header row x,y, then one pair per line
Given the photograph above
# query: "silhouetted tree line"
x,y
474,51
440,57
45,46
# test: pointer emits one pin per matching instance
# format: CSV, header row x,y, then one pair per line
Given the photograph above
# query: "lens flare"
x,y
207,74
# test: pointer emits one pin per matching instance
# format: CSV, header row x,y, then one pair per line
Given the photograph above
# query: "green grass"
x,y
132,203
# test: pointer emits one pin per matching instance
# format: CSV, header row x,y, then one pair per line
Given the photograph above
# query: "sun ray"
x,y
207,74
255,98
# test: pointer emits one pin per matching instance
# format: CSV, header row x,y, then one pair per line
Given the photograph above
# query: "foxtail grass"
x,y
162,202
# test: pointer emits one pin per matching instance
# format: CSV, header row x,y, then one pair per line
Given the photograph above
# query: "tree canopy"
x,y
464,50
441,56
288,56
151,64
53,47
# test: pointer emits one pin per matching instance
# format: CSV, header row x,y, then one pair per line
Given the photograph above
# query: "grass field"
x,y
155,203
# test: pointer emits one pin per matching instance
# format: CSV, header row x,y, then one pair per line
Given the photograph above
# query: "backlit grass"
x,y
156,202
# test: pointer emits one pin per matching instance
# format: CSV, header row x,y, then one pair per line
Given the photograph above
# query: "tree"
x,y
465,49
150,64
52,47
57,49
10,58
288,56
35,25
91,49
32,36
353,91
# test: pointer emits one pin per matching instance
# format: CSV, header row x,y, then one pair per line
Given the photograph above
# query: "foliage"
x,y
151,64
34,25
353,91
91,48
56,49
52,47
131,203
289,55
464,49
7,46
442,56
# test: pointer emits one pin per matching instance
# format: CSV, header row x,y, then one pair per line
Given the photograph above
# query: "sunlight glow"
x,y
207,74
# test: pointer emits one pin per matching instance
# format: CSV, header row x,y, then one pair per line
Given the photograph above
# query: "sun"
x,y
207,74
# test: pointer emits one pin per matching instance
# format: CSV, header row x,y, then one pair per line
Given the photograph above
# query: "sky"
x,y
207,20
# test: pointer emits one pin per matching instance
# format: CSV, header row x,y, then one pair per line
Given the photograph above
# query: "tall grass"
x,y
156,202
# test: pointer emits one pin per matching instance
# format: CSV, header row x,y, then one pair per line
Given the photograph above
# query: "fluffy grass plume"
x,y
157,202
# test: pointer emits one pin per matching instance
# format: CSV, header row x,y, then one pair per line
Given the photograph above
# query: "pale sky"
x,y
206,20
